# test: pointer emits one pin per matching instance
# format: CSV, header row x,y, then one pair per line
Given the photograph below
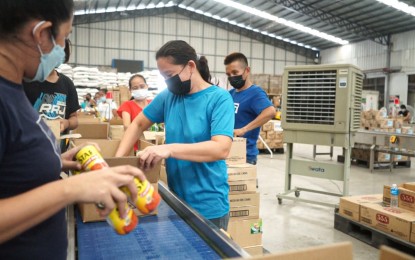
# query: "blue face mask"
x,y
48,61
103,99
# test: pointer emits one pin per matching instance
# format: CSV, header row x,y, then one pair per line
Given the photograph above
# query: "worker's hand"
x,y
239,132
102,187
64,124
68,158
151,155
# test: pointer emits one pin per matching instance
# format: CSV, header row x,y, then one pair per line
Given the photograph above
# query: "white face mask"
x,y
140,94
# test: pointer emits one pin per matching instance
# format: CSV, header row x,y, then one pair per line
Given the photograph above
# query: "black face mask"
x,y
237,81
178,87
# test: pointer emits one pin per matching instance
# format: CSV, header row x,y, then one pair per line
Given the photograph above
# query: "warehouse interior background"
x,y
378,36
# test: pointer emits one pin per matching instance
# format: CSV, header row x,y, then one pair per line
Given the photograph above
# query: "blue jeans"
x,y
251,161
222,222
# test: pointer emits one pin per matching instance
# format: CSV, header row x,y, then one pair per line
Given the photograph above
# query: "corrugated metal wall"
x,y
96,44
371,57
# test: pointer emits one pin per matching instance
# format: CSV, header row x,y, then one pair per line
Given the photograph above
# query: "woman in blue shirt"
x,y
199,119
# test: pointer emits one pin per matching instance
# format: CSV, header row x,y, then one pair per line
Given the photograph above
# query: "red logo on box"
x,y
407,198
382,218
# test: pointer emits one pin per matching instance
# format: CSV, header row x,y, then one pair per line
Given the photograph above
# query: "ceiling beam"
x,y
327,17
103,17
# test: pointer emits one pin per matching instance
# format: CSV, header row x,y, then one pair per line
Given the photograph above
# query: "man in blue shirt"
x,y
252,105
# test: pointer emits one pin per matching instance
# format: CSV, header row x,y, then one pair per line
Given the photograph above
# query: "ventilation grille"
x,y
357,100
311,97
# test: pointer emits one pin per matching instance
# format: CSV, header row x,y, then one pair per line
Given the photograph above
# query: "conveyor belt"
x,y
176,232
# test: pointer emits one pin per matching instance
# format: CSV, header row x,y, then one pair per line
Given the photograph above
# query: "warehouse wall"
x,y
96,44
371,57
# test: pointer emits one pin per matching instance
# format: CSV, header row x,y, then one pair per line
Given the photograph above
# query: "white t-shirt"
x,y
105,109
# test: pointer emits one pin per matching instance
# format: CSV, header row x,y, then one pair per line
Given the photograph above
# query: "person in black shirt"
x,y
405,114
56,98
32,197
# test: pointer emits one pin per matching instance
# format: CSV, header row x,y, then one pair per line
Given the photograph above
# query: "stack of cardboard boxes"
x,y
245,225
374,211
272,134
98,133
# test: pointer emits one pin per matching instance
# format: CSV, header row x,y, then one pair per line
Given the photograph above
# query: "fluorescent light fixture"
x,y
241,25
255,30
217,17
160,5
224,20
314,49
300,44
286,40
208,14
233,22
307,46
191,9
150,6
199,11
264,33
182,6
401,6
276,19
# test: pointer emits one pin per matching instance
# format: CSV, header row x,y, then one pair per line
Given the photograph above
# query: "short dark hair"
x,y
15,14
136,76
67,50
403,106
103,90
181,53
236,56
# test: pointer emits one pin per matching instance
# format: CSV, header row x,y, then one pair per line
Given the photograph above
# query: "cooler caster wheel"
x,y
297,193
279,201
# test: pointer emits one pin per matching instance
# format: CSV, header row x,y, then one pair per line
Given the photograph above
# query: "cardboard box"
x,y
244,199
338,251
244,212
108,147
350,206
412,238
55,127
243,171
144,143
387,253
254,250
89,212
242,186
153,175
246,232
92,131
116,132
237,154
163,174
394,221
406,198
271,134
268,126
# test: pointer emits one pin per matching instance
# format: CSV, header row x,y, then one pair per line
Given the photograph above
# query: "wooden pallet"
x,y
371,236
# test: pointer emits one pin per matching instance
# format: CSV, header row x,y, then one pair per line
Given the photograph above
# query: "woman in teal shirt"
x,y
199,119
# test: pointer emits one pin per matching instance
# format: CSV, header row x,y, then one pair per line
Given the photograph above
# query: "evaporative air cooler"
x,y
321,106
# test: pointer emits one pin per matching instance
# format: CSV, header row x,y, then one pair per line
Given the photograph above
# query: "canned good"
x,y
90,158
122,225
147,198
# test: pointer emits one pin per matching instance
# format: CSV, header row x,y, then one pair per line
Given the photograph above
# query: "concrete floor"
x,y
295,225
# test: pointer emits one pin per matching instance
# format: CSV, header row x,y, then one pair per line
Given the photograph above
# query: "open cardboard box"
x,y
89,211
92,130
